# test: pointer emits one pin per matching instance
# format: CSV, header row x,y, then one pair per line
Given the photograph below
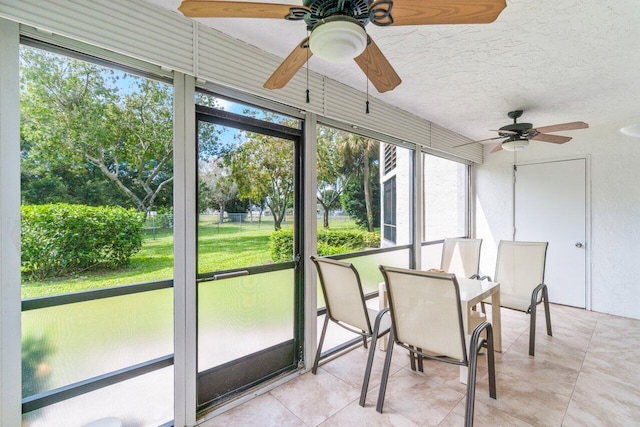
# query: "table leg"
x,y
467,338
496,321
383,302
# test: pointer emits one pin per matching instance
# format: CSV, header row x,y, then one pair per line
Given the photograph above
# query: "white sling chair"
x,y
347,307
426,319
520,272
461,257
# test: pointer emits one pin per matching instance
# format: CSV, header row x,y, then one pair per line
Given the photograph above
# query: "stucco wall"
x,y
614,187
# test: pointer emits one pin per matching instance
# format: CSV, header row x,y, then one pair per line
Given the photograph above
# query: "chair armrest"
x,y
534,295
477,276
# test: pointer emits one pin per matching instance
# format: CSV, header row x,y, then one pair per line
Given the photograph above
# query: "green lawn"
x,y
221,247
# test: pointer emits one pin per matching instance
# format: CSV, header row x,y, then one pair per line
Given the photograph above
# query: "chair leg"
x,y
364,341
385,373
532,330
532,310
476,342
491,361
471,380
412,358
420,361
317,359
372,351
547,313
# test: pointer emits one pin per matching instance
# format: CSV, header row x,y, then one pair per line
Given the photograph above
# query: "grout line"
x,y
595,325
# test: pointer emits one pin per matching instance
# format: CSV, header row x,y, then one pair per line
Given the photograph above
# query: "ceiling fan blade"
x,y
562,127
234,9
377,69
421,12
497,148
290,66
556,139
475,142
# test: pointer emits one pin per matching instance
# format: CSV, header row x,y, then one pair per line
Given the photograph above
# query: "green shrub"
x,y
330,242
371,239
281,245
61,239
324,249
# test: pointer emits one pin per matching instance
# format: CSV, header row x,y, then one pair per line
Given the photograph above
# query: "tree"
x,y
359,154
218,186
353,199
330,165
93,119
263,168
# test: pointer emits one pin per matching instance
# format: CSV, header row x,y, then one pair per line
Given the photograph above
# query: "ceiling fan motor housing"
x,y
519,128
322,9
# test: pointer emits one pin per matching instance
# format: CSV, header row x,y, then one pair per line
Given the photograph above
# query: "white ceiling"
x,y
559,60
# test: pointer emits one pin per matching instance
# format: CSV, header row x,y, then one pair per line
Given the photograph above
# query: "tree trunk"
x,y
367,193
325,215
221,210
276,221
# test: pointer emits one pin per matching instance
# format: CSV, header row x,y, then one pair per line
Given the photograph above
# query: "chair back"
x,y
343,294
461,256
425,311
520,267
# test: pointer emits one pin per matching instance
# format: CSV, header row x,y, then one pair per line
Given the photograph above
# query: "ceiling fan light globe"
x,y
631,130
338,41
515,145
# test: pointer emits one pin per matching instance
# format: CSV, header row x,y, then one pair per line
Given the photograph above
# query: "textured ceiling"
x,y
560,61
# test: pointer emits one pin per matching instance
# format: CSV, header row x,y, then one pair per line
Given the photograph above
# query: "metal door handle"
x,y
578,245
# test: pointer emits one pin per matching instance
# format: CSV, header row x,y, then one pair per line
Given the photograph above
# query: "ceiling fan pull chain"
x,y
308,97
367,76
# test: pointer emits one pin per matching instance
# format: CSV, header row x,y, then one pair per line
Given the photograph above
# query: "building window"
x,y
389,158
389,215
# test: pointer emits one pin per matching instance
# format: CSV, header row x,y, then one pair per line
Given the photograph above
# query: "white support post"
x,y
10,327
184,250
418,208
310,238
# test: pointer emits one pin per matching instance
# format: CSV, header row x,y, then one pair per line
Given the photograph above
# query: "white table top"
x,y
472,291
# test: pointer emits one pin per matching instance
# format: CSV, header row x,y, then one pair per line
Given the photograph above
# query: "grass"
x,y
220,247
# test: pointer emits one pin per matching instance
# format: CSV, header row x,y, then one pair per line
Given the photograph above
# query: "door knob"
x,y
578,245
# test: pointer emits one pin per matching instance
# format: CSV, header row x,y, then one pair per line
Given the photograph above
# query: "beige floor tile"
x,y
421,400
264,411
600,400
615,350
536,392
484,415
355,415
564,349
314,398
351,366
573,319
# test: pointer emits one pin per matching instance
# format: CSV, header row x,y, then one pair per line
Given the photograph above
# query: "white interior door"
x,y
550,205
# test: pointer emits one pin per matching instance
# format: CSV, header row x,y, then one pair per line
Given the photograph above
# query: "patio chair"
x,y
520,272
426,319
346,307
461,257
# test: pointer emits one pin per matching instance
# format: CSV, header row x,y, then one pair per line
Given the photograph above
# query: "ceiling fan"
x,y
337,28
518,134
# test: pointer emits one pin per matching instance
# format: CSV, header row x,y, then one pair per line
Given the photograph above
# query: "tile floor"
x,y
587,374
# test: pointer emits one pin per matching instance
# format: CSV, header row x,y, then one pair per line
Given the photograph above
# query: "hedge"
x,y
330,242
62,239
